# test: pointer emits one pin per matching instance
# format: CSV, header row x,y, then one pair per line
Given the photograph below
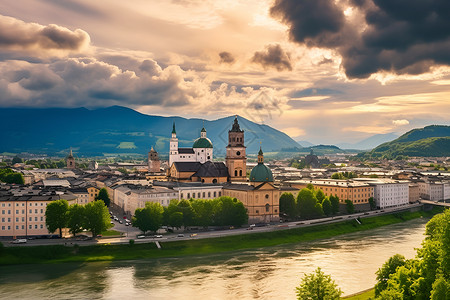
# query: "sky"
x,y
325,71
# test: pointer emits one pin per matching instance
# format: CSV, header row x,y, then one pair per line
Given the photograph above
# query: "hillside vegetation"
x,y
428,141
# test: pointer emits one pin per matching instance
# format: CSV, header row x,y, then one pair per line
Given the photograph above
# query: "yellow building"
x,y
357,192
261,198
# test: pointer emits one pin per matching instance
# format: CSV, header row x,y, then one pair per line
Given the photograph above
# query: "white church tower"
x,y
173,146
203,148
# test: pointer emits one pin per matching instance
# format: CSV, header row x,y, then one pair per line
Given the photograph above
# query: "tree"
x,y
326,206
320,195
372,203
56,215
350,207
441,289
185,207
318,286
310,186
103,195
176,220
388,268
16,160
287,205
76,218
334,204
229,211
148,218
16,178
306,204
337,176
203,212
96,217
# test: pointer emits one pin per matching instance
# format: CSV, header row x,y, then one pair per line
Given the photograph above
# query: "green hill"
x,y
432,140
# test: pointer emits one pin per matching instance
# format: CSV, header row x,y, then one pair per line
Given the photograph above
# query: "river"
x,y
268,273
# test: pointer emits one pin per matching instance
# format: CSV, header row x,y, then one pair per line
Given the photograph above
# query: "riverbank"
x,y
105,252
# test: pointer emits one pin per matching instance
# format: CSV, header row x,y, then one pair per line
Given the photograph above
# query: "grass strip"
x,y
364,295
107,252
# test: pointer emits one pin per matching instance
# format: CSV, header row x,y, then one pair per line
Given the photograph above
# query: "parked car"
x,y
120,221
180,235
158,236
19,241
141,236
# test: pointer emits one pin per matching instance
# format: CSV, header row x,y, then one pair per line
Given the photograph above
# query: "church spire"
x,y
260,156
173,129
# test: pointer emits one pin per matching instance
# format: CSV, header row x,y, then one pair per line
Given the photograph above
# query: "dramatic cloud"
x,y
401,37
274,57
226,57
20,36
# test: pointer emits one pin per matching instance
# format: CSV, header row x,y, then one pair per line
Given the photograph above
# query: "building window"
x,y
267,207
209,194
189,196
267,196
214,194
240,172
257,211
235,173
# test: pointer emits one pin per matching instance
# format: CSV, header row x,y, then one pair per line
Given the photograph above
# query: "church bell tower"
x,y
235,159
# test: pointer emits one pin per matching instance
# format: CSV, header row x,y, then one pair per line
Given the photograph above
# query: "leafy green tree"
x,y
441,289
176,220
388,268
203,212
372,203
148,218
320,195
96,217
326,206
287,205
334,204
56,216
229,211
318,286
350,207
310,186
185,207
318,211
16,160
337,175
16,178
76,218
306,204
103,195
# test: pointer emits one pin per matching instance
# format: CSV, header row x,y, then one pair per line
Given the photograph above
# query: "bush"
x,y
131,242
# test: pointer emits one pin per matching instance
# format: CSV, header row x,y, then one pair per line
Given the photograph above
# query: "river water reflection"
x,y
269,273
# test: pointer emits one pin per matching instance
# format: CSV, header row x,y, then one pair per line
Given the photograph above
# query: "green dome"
x,y
261,173
202,143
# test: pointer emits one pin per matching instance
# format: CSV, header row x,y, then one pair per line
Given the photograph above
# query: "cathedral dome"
x,y
261,173
202,143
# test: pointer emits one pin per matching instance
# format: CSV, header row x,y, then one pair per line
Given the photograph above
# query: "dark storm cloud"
x,y
402,37
226,57
274,57
16,34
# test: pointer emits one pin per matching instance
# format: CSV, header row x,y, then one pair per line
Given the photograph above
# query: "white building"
x,y
196,190
201,151
130,197
388,192
434,190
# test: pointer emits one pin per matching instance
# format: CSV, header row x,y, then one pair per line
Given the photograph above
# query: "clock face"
x,y
238,153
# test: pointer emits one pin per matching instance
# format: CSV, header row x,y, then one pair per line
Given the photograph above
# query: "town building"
x,y
434,190
357,192
70,160
414,193
388,192
22,211
261,198
154,164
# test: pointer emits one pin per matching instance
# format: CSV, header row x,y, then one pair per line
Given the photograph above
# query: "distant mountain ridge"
x,y
119,129
370,142
433,140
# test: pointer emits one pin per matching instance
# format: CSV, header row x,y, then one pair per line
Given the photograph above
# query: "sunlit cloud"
x,y
400,122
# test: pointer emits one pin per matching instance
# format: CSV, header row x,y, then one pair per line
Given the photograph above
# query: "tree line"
x,y
311,203
222,211
93,217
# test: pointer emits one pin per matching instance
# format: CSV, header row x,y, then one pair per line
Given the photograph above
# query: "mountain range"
x,y
118,129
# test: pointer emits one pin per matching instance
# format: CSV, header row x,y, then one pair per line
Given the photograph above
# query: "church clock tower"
x,y
235,159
